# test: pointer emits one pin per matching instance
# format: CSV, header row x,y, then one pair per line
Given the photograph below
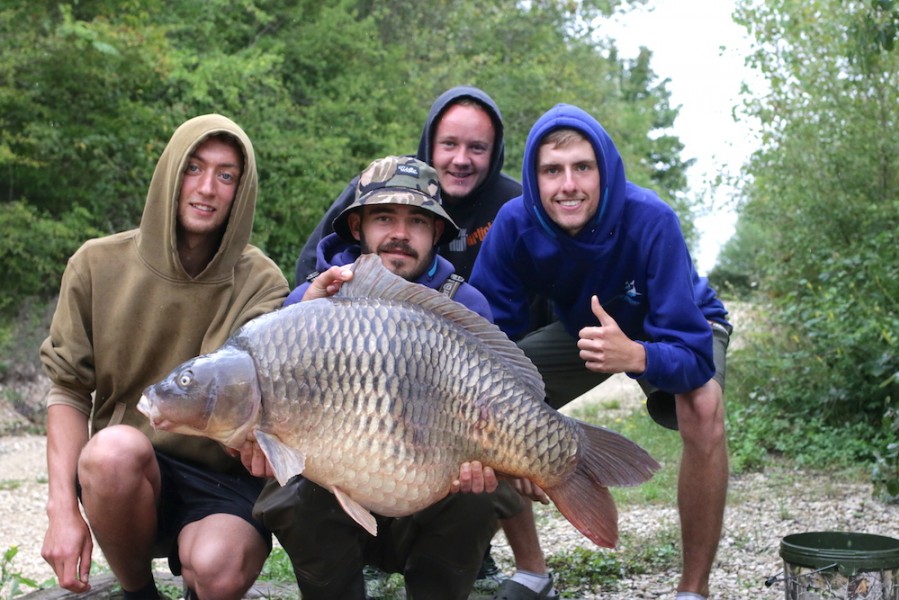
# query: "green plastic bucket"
x,y
822,565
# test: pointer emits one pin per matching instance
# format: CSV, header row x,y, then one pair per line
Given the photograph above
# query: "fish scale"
x,y
380,393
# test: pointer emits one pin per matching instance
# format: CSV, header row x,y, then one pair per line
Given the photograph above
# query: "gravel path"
x,y
762,508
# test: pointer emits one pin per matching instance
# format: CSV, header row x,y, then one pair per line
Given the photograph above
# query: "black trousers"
x,y
438,550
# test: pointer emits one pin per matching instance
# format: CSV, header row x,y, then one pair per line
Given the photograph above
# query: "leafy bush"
x,y
885,472
34,249
11,581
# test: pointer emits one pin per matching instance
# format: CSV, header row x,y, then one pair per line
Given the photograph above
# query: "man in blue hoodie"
x,y
397,214
612,258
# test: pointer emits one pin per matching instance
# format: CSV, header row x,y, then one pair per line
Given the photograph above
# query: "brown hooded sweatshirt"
x,y
128,312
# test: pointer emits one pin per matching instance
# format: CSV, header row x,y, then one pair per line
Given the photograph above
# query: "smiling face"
x,y
568,180
463,147
208,188
403,236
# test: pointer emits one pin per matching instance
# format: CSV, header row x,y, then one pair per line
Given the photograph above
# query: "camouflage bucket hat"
x,y
398,180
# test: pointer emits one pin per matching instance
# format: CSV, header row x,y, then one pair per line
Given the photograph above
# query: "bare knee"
x,y
221,556
223,572
116,457
700,416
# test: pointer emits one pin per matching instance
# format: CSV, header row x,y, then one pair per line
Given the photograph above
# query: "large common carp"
x,y
382,391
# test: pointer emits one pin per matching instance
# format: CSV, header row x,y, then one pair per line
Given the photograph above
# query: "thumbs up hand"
x,y
606,349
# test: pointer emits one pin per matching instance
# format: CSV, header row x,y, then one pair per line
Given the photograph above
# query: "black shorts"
x,y
190,493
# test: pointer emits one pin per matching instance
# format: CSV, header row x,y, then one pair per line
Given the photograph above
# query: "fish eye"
x,y
185,379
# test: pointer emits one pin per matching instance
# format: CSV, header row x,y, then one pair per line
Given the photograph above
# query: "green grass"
x,y
9,485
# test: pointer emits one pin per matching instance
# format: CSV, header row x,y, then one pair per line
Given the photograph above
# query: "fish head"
x,y
215,395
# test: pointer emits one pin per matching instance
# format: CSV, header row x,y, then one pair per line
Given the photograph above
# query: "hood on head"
x,y
612,179
158,226
448,99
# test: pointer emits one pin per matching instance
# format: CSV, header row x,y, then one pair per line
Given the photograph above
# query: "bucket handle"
x,y
774,579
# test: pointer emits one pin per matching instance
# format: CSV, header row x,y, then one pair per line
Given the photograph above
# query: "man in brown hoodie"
x,y
132,306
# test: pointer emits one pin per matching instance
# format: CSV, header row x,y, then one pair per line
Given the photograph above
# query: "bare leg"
x,y
221,556
702,483
120,484
521,533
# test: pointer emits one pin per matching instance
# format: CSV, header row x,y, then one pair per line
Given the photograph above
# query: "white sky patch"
x,y
701,50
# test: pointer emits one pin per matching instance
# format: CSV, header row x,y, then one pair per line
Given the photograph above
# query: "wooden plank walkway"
x,y
105,587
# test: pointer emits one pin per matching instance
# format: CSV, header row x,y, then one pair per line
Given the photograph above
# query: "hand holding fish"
x,y
529,489
328,283
475,478
253,459
606,349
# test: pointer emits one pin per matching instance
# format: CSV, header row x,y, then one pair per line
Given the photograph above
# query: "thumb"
x,y
604,318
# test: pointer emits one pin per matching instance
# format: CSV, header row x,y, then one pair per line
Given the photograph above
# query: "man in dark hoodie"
x,y
612,258
463,140
396,214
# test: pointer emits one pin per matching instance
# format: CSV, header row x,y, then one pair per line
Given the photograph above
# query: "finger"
x,y
85,564
70,578
259,463
601,314
477,477
490,480
338,274
463,483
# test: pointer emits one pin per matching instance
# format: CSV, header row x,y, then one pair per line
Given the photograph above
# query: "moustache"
x,y
400,248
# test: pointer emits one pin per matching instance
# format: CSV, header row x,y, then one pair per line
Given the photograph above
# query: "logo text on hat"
x,y
407,170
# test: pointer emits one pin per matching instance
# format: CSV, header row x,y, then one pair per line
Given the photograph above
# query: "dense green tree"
x,y
90,92
821,213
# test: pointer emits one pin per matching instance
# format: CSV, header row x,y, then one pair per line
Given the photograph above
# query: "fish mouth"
x,y
145,406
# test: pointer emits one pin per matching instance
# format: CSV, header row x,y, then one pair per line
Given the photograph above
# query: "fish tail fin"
x,y
611,459
604,458
589,507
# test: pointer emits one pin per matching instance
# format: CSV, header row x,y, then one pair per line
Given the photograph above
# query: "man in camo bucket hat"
x,y
398,216
398,180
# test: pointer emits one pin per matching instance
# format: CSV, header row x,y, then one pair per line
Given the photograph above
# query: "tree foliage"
x,y
817,231
90,92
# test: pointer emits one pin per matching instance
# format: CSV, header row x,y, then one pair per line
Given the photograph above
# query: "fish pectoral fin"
x,y
358,512
285,461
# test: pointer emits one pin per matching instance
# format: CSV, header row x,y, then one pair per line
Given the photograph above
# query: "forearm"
x,y
67,433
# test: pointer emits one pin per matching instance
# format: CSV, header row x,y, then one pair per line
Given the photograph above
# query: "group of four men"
x,y
607,255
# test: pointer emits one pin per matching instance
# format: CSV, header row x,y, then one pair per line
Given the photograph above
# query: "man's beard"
x,y
403,270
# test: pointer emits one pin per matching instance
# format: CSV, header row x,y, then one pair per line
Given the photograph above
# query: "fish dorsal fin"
x,y
371,279
356,511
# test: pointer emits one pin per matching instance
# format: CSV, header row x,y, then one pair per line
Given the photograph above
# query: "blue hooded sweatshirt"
x,y
632,256
335,251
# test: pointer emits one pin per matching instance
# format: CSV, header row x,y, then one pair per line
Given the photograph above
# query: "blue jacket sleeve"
x,y
679,357
495,275
472,299
297,294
